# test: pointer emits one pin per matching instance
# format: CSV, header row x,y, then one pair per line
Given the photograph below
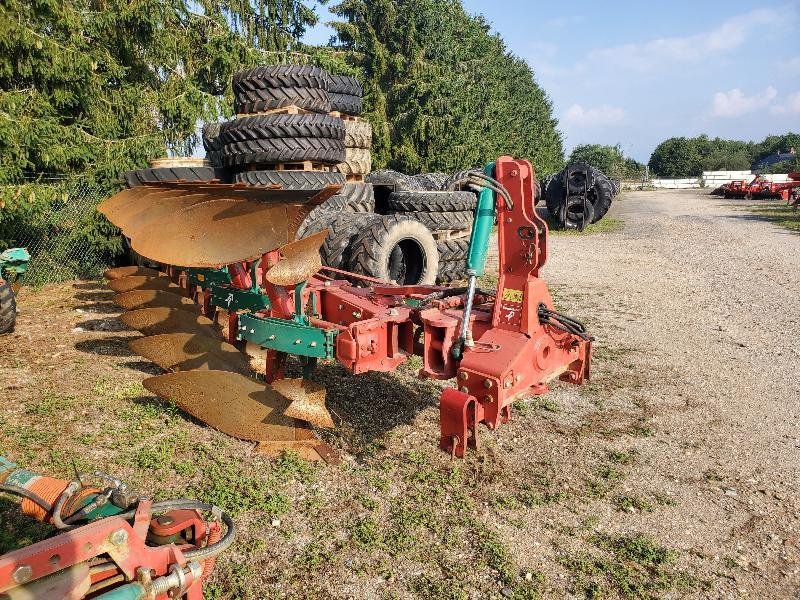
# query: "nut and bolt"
x,y
464,389
271,338
119,537
488,398
487,383
298,342
22,574
463,375
313,344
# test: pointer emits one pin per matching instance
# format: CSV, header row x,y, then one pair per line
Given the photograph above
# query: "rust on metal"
x,y
301,260
232,403
132,271
206,225
308,401
154,299
140,282
155,321
187,352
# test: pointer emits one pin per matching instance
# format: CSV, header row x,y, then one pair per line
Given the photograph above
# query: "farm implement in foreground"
x,y
110,543
231,250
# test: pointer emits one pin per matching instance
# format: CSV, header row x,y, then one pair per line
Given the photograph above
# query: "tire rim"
x,y
407,262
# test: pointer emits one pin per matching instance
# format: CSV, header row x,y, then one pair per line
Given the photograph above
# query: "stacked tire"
x,y
578,196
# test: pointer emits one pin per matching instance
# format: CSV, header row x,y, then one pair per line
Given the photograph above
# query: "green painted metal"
x,y
207,277
235,300
287,336
485,214
14,261
130,591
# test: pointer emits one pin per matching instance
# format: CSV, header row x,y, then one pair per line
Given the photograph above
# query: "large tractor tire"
x,y
347,104
450,272
357,161
601,195
291,180
453,250
358,134
8,308
396,249
353,198
442,221
432,201
261,100
267,127
342,228
398,182
282,150
281,76
344,84
432,182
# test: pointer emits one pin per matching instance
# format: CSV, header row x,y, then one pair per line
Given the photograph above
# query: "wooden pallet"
x,y
283,110
344,117
355,178
451,234
306,165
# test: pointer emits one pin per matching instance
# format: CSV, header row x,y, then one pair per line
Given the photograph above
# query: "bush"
x,y
609,159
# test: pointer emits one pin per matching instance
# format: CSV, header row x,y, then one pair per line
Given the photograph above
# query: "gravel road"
x,y
706,299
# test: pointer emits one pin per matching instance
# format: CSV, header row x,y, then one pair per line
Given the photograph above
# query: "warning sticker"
x,y
201,277
512,295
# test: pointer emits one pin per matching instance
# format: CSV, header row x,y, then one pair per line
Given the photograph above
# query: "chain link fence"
x,y
57,222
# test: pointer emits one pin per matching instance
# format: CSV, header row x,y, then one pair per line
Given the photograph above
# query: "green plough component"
x,y
14,262
287,336
208,277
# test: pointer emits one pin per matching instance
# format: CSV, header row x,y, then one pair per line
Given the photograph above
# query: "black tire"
x,y
357,161
346,104
578,214
267,127
358,134
581,177
453,250
450,272
343,229
395,180
280,76
145,176
396,249
601,195
432,182
537,192
8,308
282,150
260,100
615,186
442,221
215,158
352,198
291,180
344,84
432,201
211,141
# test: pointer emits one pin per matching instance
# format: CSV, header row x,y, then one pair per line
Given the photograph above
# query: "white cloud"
x,y
729,35
735,104
790,106
600,115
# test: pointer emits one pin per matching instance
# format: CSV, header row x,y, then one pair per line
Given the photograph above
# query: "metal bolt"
x,y
518,378
22,574
327,284
313,344
463,375
271,338
298,342
356,314
165,520
508,220
487,398
341,307
487,383
464,389
252,331
119,537
393,312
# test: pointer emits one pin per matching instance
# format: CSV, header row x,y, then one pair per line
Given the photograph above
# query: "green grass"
x,y
606,225
779,214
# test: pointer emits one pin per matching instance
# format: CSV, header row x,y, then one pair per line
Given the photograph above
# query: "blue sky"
x,y
636,73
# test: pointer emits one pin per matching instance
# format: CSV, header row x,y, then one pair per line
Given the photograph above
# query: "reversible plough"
x,y
228,249
110,543
761,187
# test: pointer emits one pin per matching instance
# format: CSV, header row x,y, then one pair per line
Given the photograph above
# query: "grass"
x,y
779,214
605,225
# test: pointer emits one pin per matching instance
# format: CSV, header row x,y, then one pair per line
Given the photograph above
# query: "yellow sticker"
x,y
201,277
512,295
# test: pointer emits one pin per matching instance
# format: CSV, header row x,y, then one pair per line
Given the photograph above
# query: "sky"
x,y
637,73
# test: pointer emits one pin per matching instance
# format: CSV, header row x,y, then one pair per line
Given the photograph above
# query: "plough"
x,y
112,544
228,249
760,187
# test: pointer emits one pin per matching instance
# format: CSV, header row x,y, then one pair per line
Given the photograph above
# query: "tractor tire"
x,y
451,271
211,141
343,229
453,250
290,180
357,161
260,100
582,177
615,186
268,127
280,76
601,195
358,134
146,176
396,249
283,150
441,221
432,182
432,201
8,308
214,157
395,180
344,84
575,217
352,198
347,104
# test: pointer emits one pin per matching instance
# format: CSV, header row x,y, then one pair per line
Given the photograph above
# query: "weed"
x,y
713,476
623,458
49,405
365,534
779,214
628,503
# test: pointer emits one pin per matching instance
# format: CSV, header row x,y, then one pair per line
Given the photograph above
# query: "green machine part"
x,y
208,277
286,335
14,261
485,214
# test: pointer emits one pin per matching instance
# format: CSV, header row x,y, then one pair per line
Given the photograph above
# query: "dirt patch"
x,y
674,473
